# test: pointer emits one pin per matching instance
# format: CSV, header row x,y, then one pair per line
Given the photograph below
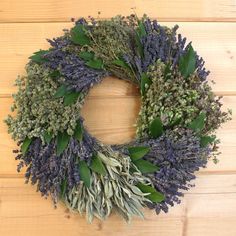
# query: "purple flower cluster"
x,y
178,156
165,44
48,170
77,75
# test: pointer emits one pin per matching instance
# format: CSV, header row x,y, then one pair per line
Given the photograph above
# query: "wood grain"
x,y
110,111
172,10
184,219
216,40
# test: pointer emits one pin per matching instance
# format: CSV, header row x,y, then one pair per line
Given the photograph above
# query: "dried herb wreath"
x,y
175,128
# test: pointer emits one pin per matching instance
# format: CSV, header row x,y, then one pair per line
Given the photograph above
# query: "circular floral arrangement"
x,y
175,127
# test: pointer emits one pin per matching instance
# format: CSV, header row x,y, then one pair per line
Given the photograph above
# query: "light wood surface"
x,y
110,112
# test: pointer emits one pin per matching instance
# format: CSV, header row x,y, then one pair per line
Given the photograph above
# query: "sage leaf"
x,y
156,128
205,140
137,153
62,142
85,173
97,166
78,134
38,56
95,63
198,123
70,98
61,91
25,145
144,81
154,195
145,166
86,55
47,137
187,62
78,35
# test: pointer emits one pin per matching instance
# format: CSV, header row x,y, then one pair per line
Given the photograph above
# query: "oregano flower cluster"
x,y
176,125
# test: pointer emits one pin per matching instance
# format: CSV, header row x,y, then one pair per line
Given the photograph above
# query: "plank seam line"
x,y
161,19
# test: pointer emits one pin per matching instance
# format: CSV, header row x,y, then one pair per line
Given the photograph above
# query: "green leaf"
x,y
70,98
145,166
137,153
55,74
121,63
62,142
141,31
95,63
139,45
61,91
86,55
97,166
144,80
198,124
78,131
47,137
78,35
63,187
205,140
167,72
25,145
187,62
85,173
38,56
156,128
154,195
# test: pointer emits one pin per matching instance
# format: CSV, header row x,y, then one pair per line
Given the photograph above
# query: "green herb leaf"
x,y
86,55
61,91
137,153
156,128
70,98
144,80
62,142
25,145
141,31
38,56
55,74
139,45
198,124
78,131
205,140
145,166
78,35
85,173
167,71
63,188
47,137
95,63
121,63
97,166
187,62
154,195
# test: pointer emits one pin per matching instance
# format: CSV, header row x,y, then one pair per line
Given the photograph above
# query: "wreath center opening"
x,y
111,109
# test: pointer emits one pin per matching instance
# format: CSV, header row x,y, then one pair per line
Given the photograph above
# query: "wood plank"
x,y
22,207
111,120
30,214
19,41
52,10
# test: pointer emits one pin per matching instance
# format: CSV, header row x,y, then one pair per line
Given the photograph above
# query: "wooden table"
x,y
110,111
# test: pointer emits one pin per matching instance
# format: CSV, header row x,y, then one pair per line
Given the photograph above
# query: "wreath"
x,y
176,125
